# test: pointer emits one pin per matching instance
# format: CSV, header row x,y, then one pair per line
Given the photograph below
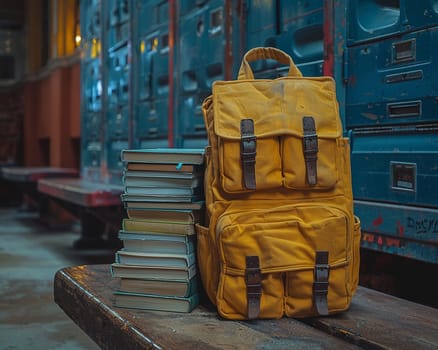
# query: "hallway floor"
x,y
30,255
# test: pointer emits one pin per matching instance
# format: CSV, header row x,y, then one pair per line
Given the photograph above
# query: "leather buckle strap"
x,y
320,284
310,149
253,280
248,152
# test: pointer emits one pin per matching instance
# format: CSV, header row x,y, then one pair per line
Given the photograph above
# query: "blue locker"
x,y
113,161
212,49
302,35
91,77
118,68
191,123
117,139
188,6
118,22
421,14
377,19
201,61
402,230
191,28
374,19
118,123
395,176
150,128
150,15
91,33
160,62
393,81
147,48
91,156
396,164
263,26
90,19
294,27
92,122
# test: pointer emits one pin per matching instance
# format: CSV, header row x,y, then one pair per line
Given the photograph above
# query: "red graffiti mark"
x,y
378,221
392,242
366,237
400,229
379,241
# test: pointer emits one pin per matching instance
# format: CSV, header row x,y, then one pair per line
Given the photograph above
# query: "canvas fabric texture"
x,y
281,237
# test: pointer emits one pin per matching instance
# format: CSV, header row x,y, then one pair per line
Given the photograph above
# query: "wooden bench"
x,y
97,205
374,321
25,179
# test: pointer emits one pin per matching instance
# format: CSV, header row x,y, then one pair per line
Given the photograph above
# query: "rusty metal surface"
x,y
85,295
381,321
81,192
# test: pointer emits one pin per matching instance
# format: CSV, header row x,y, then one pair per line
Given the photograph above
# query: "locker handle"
x,y
199,127
404,109
153,131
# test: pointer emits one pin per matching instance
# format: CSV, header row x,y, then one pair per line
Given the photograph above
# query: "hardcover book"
x,y
167,200
155,302
156,191
156,226
155,259
171,175
176,215
178,156
136,202
162,287
158,243
161,182
178,169
153,272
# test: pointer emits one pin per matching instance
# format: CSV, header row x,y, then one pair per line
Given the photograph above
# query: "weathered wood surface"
x,y
81,192
85,294
33,174
374,321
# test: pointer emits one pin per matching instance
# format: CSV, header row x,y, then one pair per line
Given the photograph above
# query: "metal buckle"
x,y
310,145
248,145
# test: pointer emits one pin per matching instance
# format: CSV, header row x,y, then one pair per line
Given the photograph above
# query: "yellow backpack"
x,y
282,239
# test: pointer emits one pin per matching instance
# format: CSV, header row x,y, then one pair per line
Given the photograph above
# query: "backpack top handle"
x,y
263,53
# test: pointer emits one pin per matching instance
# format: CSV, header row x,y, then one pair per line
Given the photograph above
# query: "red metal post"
x,y
329,59
170,108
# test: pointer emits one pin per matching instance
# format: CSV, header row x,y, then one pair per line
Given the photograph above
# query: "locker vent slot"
x,y
404,109
404,51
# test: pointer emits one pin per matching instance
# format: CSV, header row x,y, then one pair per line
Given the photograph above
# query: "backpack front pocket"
x,y
285,240
266,165
296,167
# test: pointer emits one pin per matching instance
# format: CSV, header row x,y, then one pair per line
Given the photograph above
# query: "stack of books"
x,y
164,199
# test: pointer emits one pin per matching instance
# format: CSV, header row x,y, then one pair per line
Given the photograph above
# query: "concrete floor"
x,y
30,254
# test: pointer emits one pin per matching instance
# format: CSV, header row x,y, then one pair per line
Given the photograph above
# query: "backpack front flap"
x,y
276,133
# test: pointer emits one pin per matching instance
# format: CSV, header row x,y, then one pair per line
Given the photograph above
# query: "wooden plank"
x,y
380,321
33,174
85,294
81,192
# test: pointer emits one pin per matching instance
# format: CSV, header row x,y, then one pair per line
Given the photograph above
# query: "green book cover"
x,y
157,242
152,272
140,225
178,156
155,259
155,302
